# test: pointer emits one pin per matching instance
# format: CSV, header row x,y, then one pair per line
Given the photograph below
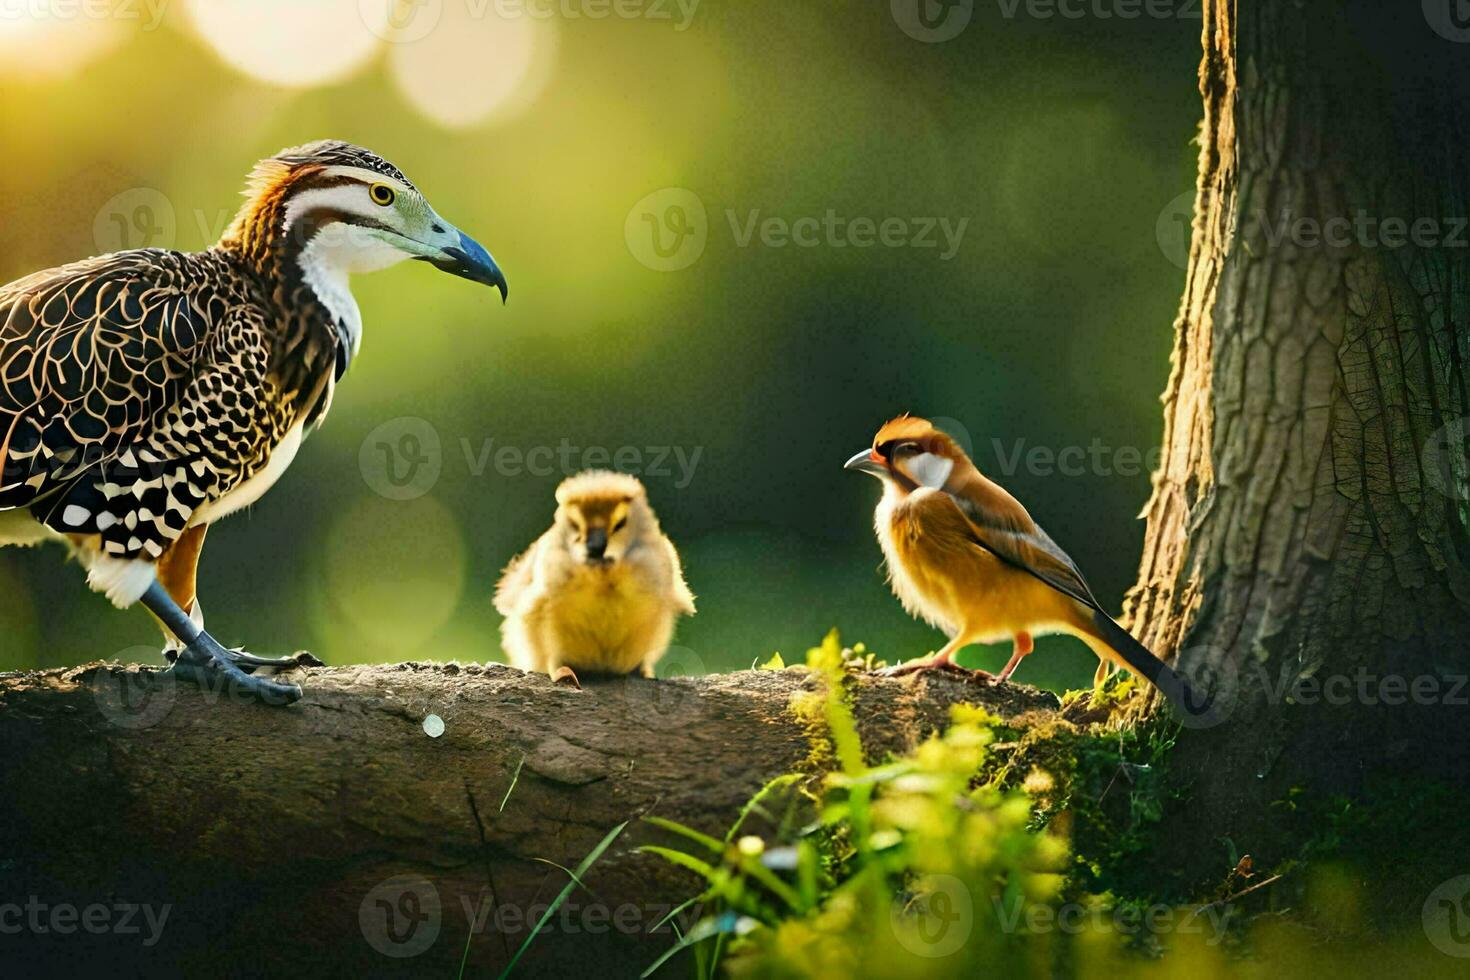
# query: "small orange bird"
x,y
966,556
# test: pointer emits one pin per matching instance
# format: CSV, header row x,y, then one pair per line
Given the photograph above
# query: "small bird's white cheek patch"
x,y
929,470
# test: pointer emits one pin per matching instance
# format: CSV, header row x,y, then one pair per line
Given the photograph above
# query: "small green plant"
x,y
913,867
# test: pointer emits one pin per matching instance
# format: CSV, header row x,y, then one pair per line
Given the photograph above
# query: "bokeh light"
x,y
394,572
475,65
36,43
290,43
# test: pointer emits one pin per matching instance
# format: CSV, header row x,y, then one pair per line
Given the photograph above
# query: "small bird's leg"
x,y
943,660
202,655
1021,647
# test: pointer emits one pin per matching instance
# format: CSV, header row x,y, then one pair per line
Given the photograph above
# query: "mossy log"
x,y
351,829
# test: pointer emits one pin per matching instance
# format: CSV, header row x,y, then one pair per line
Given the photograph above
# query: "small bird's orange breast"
x,y
940,573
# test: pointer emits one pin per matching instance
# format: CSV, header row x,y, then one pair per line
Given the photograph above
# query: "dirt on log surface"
x,y
396,820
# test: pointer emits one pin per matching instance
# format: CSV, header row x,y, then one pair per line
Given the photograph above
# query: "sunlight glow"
x,y
290,43
35,43
475,65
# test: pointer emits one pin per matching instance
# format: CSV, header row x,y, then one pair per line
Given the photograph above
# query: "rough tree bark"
x,y
274,833
1309,522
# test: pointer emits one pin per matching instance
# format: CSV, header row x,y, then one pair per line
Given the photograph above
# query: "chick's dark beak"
x,y
596,543
469,260
867,461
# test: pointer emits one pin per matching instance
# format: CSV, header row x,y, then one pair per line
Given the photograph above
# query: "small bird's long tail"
x,y
1142,662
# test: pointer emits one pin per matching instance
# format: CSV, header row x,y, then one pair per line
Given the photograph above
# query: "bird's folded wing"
x,y
1019,543
514,582
682,595
90,354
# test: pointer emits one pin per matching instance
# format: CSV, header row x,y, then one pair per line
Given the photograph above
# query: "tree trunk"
x,y
1308,539
272,835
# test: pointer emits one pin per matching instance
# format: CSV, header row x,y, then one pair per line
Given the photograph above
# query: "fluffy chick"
x,y
598,592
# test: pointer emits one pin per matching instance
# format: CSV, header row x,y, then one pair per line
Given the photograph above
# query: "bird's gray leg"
x,y
202,655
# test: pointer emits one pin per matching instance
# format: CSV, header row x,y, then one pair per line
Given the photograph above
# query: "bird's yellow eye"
x,y
381,194
622,523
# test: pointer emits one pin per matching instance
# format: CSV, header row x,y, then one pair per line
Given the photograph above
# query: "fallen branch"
x,y
355,829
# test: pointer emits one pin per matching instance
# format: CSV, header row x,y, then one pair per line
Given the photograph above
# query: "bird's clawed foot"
x,y
210,665
940,661
250,663
565,677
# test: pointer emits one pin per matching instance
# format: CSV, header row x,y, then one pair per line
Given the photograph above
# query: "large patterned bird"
x,y
146,394
964,555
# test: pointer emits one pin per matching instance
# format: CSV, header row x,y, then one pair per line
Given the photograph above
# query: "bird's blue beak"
x,y
469,260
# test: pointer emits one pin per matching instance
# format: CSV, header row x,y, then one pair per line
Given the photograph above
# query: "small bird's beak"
x,y
868,462
469,260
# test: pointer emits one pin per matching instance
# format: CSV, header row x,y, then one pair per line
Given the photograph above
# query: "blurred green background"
x,y
1064,143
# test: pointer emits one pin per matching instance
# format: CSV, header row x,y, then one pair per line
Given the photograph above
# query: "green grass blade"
x,y
702,868
755,801
674,827
714,926
675,911
587,862
512,787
